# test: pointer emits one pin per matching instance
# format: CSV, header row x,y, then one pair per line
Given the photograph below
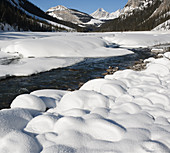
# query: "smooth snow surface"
x,y
139,39
64,46
27,53
128,111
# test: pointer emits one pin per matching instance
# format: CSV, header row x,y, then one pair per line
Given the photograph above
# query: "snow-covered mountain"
x,y
23,15
104,15
136,15
100,14
133,5
71,15
160,11
140,15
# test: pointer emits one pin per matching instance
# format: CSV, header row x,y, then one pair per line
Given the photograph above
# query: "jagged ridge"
x,y
140,15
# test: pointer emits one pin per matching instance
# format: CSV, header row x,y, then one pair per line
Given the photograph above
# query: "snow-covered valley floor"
x,y
128,111
27,53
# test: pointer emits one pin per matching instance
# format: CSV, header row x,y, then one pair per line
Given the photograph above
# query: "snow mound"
x,y
41,124
29,102
106,87
95,127
50,97
12,120
16,141
83,99
157,69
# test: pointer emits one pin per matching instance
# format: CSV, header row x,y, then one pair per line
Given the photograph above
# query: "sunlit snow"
x,y
32,53
128,111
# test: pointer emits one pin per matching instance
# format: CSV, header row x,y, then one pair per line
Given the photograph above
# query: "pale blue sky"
x,y
87,6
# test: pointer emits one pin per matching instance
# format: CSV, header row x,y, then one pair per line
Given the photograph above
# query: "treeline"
x,y
20,20
33,9
140,20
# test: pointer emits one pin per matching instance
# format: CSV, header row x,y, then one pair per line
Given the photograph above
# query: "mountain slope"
x,y
13,17
165,26
140,15
24,10
71,15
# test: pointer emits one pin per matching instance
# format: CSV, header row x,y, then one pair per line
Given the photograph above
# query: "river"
x,y
68,78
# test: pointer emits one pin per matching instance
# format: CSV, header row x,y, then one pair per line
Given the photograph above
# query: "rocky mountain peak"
x,y
58,8
104,15
134,3
101,10
100,14
70,15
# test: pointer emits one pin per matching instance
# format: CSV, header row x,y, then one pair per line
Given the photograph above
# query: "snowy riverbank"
x,y
124,112
128,111
28,53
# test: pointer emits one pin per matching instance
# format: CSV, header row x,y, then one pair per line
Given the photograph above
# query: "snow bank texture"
x,y
139,39
128,111
31,53
25,53
64,46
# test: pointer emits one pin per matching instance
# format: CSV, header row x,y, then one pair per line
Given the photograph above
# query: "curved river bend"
x,y
66,78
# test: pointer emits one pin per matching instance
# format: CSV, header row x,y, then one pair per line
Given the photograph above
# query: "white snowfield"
x,y
140,39
39,52
127,112
27,53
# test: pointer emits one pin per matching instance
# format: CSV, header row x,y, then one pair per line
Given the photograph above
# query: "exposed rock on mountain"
x,y
140,15
100,14
71,15
21,15
26,16
103,15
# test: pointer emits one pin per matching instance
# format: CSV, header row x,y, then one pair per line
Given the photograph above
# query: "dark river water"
x,y
68,78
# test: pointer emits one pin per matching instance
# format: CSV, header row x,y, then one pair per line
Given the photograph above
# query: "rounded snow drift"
x,y
29,102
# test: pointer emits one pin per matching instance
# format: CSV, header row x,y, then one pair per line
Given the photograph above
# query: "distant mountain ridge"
x,y
140,15
71,15
104,15
136,15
